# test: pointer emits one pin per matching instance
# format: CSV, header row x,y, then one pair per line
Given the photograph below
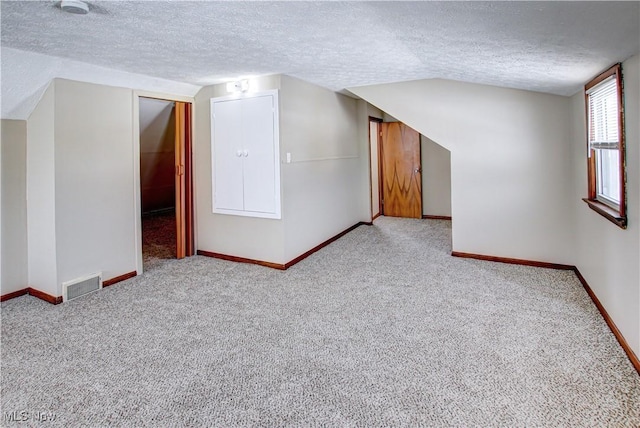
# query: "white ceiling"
x,y
550,47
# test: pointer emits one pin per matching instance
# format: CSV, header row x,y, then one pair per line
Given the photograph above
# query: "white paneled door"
x,y
259,165
227,166
245,155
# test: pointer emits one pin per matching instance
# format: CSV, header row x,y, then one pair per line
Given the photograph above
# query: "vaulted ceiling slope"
x,y
541,46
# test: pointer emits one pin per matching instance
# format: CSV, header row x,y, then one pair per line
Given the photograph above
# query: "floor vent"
x,y
81,286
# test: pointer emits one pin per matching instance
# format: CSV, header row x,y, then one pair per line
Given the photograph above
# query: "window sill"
x,y
607,212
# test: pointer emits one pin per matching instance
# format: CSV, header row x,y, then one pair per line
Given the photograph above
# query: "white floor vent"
x,y
81,286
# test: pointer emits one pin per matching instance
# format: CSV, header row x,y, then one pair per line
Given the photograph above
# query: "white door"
x,y
259,154
245,155
227,155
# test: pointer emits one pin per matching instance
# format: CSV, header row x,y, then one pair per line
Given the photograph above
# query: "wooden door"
x,y
401,171
183,181
190,246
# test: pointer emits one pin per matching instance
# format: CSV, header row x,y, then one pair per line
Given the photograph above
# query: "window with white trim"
x,y
606,151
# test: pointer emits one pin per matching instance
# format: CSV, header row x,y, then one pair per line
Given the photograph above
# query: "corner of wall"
x,y
13,215
323,184
94,181
40,195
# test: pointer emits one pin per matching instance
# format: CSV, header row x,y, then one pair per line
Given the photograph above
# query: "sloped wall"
x,y
157,154
436,179
510,185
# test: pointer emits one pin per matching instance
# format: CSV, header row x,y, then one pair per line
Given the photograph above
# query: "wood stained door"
x,y
183,181
401,171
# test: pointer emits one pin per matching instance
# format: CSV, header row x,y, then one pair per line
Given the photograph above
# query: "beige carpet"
x,y
381,328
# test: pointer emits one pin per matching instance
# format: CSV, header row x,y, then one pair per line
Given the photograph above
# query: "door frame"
x,y
379,145
137,193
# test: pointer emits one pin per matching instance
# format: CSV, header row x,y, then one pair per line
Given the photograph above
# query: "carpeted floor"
x,y
158,239
381,328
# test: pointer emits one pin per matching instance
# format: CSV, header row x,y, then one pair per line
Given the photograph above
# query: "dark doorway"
x,y
165,180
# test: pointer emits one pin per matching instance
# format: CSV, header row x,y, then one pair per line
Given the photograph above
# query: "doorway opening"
x,y
166,196
410,174
375,140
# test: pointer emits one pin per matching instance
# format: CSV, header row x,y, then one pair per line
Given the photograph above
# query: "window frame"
x,y
615,214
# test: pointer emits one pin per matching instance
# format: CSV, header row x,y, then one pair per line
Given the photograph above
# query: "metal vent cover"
x,y
81,286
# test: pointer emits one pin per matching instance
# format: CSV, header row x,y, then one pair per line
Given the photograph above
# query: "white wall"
x,y
1,215
607,256
321,186
248,237
95,215
13,179
82,172
41,204
510,185
436,178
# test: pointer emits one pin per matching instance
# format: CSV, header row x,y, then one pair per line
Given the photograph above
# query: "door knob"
x,y
238,153
245,153
417,170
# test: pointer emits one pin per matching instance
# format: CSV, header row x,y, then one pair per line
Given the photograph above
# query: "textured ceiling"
x,y
26,75
542,46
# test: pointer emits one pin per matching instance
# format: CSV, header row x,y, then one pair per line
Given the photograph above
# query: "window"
x,y
605,139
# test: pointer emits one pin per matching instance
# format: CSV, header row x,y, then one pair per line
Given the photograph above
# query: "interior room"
x,y
157,184
320,213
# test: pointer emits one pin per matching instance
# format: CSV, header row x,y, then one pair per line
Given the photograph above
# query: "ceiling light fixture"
x,y
239,86
74,6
